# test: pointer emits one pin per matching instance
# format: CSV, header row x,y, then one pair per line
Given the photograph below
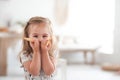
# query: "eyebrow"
x,y
40,34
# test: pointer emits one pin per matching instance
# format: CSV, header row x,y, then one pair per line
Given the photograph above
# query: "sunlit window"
x,y
93,22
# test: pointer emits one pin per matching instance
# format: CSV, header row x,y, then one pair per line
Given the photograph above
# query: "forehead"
x,y
38,28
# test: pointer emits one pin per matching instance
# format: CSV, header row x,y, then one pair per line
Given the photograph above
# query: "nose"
x,y
40,39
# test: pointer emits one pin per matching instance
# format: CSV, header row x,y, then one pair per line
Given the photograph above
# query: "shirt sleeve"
x,y
25,57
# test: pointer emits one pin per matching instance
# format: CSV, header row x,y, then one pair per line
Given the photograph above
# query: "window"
x,y
93,22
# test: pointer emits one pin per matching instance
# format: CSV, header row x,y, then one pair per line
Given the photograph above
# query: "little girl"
x,y
38,55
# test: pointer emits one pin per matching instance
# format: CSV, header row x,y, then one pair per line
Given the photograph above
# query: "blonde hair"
x,y
26,44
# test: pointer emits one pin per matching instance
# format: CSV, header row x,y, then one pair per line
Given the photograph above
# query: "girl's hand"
x,y
45,45
35,45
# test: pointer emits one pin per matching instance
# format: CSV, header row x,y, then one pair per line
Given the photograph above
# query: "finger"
x,y
47,42
43,42
49,45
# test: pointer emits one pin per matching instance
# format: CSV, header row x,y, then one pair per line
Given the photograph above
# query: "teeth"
x,y
28,39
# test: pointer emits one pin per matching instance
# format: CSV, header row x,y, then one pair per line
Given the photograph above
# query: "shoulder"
x,y
25,56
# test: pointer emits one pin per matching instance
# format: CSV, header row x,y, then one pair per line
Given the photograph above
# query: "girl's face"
x,y
39,31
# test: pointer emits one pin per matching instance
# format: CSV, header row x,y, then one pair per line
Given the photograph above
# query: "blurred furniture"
x,y
85,51
110,67
61,69
7,40
69,44
3,29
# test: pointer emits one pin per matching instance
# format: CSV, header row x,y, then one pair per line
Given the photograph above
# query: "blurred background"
x,y
87,32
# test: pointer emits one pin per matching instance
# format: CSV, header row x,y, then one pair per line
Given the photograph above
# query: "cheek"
x,y
31,44
45,38
30,36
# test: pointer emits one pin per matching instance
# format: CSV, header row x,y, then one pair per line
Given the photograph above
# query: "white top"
x,y
42,75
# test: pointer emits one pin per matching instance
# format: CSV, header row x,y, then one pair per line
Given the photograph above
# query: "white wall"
x,y
23,10
117,29
115,57
109,58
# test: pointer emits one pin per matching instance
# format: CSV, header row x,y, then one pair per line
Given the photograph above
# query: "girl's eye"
x,y
35,36
45,36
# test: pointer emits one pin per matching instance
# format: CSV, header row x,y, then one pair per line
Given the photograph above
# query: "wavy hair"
x,y
26,45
